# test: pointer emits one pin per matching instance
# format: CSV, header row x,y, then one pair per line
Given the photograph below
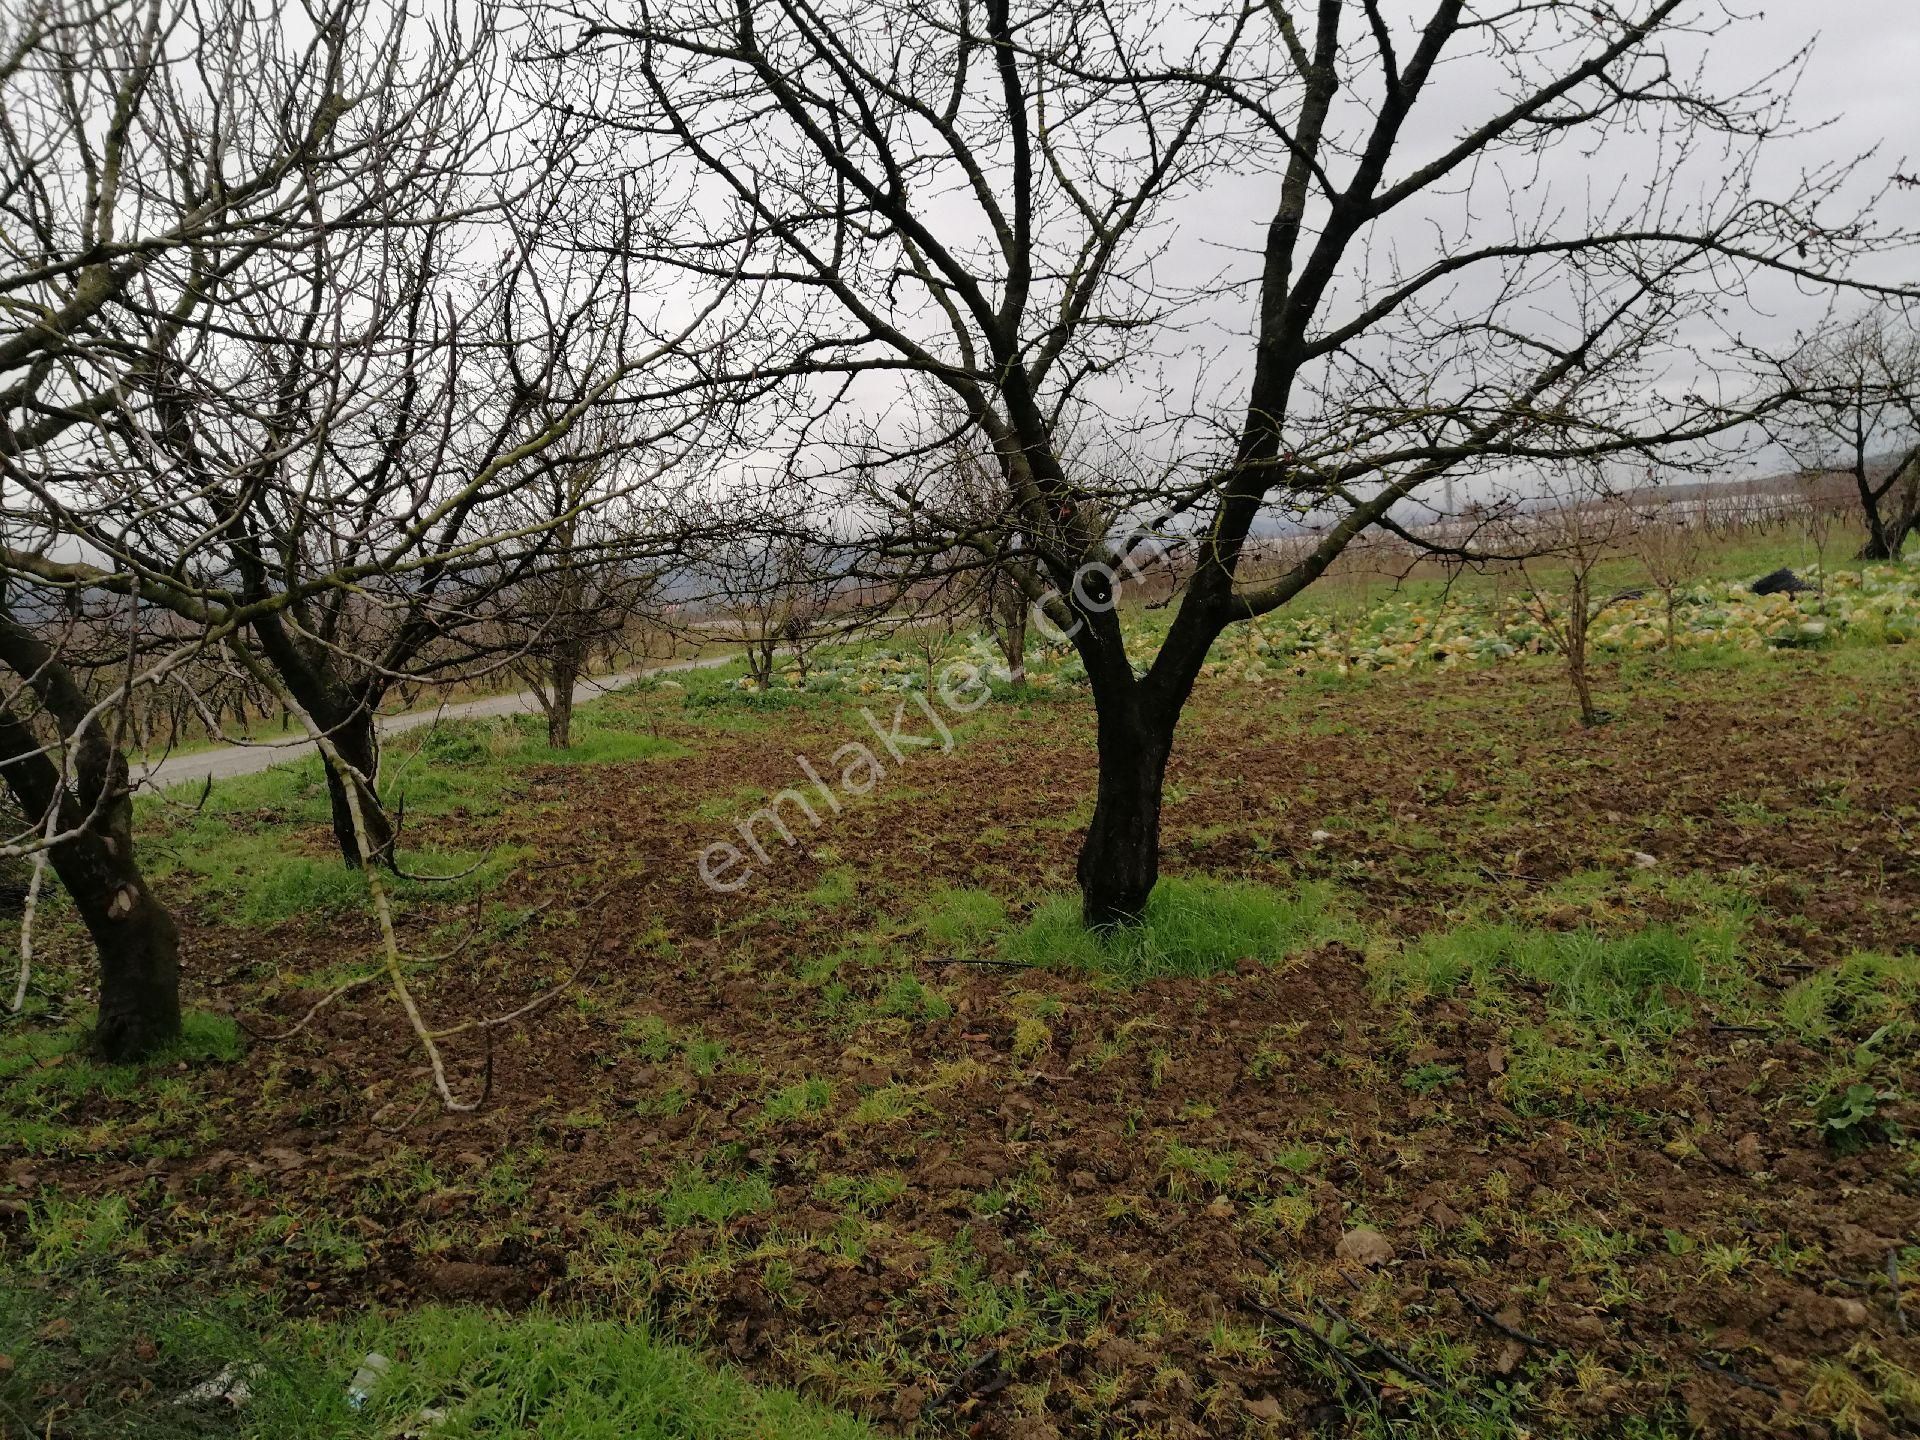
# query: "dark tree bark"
x,y
133,934
345,713
1887,533
1135,720
358,743
1120,856
562,680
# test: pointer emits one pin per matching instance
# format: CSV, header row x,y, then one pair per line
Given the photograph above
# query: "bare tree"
x,y
1668,542
929,625
1001,592
280,340
776,589
982,201
1817,518
317,441
1584,524
606,565
150,150
998,572
1857,412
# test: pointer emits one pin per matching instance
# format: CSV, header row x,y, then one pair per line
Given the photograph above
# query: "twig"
x,y
306,1019
964,1383
26,930
412,1115
486,1071
490,1025
1494,1321
1492,874
1746,1382
1300,1325
394,865
970,960
1893,1284
534,912
1387,1356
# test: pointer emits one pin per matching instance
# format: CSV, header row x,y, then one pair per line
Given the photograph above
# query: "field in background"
x,y
1737,545
1475,1074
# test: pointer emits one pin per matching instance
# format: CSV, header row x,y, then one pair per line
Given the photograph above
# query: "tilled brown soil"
x,y
1191,1207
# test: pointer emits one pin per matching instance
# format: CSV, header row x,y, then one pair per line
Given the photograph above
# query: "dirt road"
x,y
226,761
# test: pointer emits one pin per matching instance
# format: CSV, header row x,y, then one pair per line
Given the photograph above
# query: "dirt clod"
x,y
1365,1246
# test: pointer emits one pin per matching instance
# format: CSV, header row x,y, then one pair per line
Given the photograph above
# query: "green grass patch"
x,y
60,1056
1862,1014
117,1365
255,878
48,1075
833,889
811,1096
602,734
1191,927
1862,993
1192,1170
962,919
1611,1001
597,745
294,793
715,693
864,1194
716,1199
62,1233
1590,975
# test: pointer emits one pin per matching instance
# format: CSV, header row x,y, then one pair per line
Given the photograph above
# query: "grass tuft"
x,y
962,919
1593,976
716,1199
1191,927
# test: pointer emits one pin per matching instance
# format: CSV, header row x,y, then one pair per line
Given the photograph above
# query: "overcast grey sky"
x,y
1859,80
1859,89
1864,75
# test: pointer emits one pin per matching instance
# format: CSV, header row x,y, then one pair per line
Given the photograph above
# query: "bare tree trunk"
x,y
133,934
563,676
1008,626
760,653
1578,617
1120,856
1887,537
358,743
1880,544
346,713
